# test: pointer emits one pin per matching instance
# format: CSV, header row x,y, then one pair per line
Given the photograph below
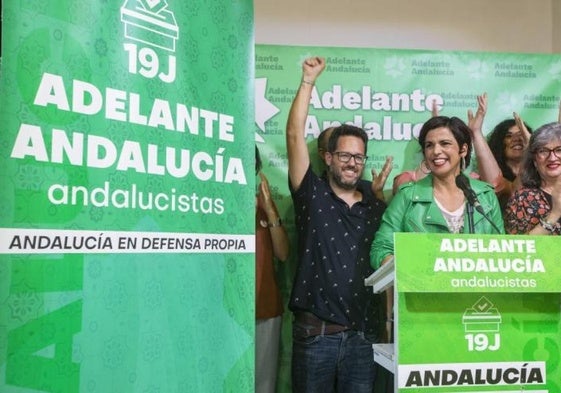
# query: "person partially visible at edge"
x,y
535,208
508,143
435,203
378,179
336,219
271,243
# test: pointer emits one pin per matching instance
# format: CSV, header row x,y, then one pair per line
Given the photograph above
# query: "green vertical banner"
x,y
478,313
126,243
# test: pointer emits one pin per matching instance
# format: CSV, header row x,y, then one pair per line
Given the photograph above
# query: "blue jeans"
x,y
340,362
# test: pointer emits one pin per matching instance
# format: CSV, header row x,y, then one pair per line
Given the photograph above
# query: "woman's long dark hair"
x,y
495,140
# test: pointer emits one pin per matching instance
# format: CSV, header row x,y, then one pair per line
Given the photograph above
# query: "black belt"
x,y
315,326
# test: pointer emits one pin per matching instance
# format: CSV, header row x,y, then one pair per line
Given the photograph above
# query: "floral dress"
x,y
524,210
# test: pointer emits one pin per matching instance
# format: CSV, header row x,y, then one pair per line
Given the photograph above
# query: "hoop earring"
x,y
424,167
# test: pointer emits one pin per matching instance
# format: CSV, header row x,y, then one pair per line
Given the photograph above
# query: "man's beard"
x,y
337,178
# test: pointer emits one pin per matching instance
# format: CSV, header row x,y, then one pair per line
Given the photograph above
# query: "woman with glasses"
x,y
535,208
436,203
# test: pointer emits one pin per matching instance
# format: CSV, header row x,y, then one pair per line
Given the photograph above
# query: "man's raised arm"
x,y
298,156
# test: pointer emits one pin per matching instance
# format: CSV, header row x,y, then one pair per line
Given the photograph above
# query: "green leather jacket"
x,y
413,209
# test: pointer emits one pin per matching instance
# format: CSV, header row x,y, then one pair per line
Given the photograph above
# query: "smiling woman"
x,y
508,141
535,208
435,203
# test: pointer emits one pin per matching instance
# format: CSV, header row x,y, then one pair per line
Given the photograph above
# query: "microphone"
x,y
462,183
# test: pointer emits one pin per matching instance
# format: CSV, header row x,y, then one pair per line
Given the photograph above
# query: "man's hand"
x,y
311,68
379,180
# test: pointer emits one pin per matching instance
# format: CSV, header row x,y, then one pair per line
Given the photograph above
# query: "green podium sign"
x,y
477,313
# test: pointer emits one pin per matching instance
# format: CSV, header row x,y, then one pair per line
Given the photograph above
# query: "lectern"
x,y
473,313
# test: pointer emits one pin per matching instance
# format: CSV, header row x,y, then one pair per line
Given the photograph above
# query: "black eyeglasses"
x,y
544,152
346,157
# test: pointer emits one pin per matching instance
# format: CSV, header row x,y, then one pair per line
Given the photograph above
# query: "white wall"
x,y
532,26
556,11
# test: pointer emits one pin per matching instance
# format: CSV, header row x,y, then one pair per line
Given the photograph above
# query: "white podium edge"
x,y
382,279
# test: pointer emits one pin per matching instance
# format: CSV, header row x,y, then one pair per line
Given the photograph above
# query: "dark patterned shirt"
x,y
333,253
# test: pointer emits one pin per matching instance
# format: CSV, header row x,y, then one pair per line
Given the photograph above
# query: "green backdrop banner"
x,y
126,250
390,92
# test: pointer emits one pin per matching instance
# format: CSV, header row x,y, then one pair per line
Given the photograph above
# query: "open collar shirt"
x,y
333,252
